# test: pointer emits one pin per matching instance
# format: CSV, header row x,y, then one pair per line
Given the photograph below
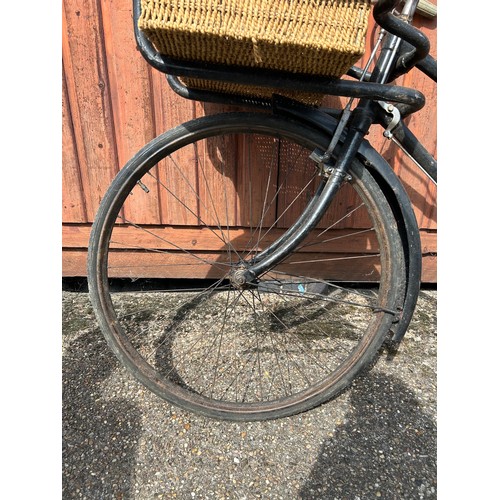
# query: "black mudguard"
x,y
408,230
396,195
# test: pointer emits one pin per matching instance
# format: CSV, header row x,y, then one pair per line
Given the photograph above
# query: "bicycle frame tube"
x,y
413,148
401,30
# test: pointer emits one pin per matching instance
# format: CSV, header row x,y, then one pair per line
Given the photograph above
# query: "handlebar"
x,y
382,13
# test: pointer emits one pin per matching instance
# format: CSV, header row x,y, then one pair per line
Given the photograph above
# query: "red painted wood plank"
x,y
73,204
88,91
178,172
130,89
156,266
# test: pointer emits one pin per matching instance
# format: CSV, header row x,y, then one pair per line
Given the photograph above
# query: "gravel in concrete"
x,y
377,440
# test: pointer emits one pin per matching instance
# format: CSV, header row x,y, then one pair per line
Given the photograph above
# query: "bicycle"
x,y
275,322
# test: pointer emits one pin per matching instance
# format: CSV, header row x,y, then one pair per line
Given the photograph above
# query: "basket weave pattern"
x,y
317,37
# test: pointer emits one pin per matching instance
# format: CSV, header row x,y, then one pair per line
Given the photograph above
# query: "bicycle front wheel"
x,y
203,201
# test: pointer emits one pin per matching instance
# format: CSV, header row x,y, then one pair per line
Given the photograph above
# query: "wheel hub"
x,y
238,277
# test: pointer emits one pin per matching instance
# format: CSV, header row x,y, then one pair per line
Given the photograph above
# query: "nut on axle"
x,y
239,277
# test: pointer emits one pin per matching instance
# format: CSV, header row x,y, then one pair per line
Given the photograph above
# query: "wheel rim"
x,y
291,338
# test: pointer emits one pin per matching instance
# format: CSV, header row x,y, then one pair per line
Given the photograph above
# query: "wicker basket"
x,y
315,37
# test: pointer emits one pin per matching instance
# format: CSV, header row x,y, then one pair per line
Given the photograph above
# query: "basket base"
x,y
312,99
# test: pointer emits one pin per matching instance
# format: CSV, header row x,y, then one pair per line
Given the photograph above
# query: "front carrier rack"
x,y
416,53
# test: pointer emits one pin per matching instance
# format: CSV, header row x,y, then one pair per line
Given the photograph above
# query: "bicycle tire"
x,y
274,335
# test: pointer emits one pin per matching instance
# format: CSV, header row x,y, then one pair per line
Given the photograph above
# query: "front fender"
x,y
408,230
396,196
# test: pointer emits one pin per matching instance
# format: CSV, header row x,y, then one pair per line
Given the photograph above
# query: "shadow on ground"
x,y
99,436
385,448
377,440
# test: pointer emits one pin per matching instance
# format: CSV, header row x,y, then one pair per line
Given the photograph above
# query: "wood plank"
x,y
135,264
428,239
73,203
129,81
226,188
209,239
130,90
88,91
178,172
170,109
422,191
429,269
201,239
155,266
297,182
217,174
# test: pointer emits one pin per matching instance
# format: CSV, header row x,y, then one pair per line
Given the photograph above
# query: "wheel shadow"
x,y
309,321
385,448
99,437
164,354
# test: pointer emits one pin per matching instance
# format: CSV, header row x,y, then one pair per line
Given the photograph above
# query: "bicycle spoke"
x,y
333,238
191,211
342,219
275,344
307,318
284,212
229,246
265,210
277,360
207,291
165,241
221,332
331,259
293,334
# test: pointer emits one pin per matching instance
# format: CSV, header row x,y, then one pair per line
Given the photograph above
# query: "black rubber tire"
x,y
174,386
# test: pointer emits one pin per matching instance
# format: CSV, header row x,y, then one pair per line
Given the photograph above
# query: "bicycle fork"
x,y
334,174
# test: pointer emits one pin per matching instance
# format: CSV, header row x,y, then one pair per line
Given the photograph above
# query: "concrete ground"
x,y
377,440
